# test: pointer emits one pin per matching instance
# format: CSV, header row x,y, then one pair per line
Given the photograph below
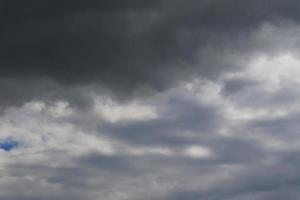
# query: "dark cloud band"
x,y
124,45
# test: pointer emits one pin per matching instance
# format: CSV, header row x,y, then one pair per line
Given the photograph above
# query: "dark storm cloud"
x,y
18,91
124,45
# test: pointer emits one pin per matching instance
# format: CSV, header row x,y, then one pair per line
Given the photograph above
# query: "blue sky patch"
x,y
8,144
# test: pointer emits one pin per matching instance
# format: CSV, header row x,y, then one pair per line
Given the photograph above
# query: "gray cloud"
x,y
177,117
149,99
126,45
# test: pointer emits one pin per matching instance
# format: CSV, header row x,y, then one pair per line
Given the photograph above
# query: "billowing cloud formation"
x,y
149,100
128,46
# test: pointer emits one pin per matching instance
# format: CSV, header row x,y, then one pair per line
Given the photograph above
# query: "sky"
x,y
149,100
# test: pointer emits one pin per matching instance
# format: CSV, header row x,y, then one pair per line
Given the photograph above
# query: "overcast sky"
x,y
149,100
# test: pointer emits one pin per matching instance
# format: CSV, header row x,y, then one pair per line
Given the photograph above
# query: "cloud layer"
x,y
149,100
129,46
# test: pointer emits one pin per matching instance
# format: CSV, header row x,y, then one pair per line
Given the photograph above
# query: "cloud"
x,y
127,46
192,149
149,100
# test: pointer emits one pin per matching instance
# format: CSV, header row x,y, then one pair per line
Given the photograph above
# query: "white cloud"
x,y
197,151
114,112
